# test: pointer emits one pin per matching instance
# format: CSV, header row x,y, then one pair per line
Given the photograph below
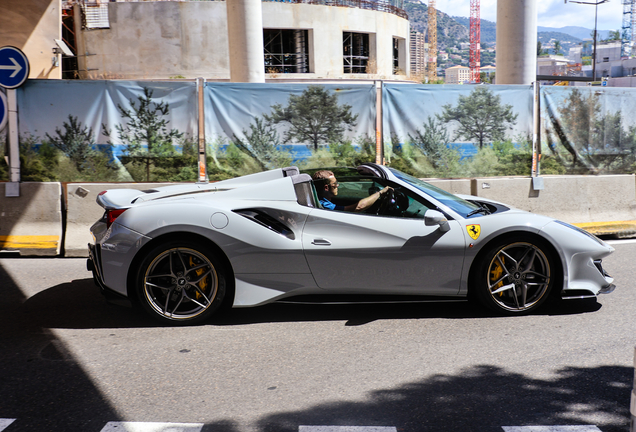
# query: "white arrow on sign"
x,y
16,67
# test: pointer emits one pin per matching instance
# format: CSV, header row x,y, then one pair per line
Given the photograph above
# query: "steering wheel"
x,y
394,203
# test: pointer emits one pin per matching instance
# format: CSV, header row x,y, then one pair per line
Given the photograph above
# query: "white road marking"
x,y
4,423
581,428
617,242
151,427
347,429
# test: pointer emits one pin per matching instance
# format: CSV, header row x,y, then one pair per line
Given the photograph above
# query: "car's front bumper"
x,y
595,281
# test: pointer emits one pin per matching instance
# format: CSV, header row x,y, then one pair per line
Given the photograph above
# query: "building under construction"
x,y
303,39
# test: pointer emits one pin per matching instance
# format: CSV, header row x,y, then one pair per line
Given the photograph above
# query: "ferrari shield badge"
x,y
473,231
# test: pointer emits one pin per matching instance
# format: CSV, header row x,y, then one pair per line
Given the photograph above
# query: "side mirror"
x,y
434,217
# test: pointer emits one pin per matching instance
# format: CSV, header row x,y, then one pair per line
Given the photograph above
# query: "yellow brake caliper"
x,y
495,273
204,282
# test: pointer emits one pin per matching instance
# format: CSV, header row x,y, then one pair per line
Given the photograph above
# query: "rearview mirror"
x,y
434,217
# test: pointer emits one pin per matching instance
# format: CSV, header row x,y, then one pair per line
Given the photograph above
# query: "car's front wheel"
x,y
180,282
515,277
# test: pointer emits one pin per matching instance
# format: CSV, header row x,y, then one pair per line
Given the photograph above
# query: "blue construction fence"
x,y
445,131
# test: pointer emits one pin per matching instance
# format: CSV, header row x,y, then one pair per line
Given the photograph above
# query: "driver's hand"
x,y
385,190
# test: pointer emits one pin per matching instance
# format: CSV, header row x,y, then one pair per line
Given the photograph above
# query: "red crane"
x,y
475,38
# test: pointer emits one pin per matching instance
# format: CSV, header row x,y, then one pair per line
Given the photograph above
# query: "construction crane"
x,y
432,42
475,41
628,35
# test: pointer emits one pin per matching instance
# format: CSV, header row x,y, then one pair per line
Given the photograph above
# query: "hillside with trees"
x,y
449,31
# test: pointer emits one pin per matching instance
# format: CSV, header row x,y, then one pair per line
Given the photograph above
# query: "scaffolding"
x,y
475,41
285,51
355,47
432,42
629,25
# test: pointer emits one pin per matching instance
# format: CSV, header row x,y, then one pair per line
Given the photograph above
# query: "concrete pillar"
x,y
245,34
516,41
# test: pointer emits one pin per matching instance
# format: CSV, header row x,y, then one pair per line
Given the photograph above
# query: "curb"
x,y
620,229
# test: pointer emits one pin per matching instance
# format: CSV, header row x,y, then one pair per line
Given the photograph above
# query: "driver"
x,y
327,188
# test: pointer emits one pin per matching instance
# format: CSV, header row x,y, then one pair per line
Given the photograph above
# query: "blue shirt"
x,y
326,204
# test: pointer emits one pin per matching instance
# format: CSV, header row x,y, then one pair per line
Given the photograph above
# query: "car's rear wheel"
x,y
515,277
180,282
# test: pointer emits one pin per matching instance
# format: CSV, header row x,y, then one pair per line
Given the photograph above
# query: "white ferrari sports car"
x,y
181,252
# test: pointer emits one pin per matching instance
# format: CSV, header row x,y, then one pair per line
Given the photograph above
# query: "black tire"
x,y
180,283
516,276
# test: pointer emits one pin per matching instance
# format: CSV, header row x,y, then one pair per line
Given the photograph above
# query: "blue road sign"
x,y
14,67
4,111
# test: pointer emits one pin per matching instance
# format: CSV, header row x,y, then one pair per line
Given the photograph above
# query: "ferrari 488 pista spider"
x,y
181,252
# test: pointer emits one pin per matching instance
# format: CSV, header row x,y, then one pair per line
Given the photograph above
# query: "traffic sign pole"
x,y
14,71
12,189
4,111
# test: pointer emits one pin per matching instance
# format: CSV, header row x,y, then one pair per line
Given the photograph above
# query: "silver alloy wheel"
x,y
180,283
518,276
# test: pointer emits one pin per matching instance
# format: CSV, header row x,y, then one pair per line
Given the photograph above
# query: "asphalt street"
x,y
73,362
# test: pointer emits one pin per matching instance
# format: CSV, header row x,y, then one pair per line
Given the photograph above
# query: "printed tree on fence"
x,y
146,135
75,141
433,143
77,144
261,143
595,142
314,117
480,116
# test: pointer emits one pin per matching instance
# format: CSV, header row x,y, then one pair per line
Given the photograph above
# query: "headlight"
x,y
582,231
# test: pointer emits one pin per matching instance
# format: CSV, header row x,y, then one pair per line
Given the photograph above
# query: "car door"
x,y
371,254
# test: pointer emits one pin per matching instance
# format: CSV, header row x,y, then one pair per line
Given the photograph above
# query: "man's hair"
x,y
321,178
323,175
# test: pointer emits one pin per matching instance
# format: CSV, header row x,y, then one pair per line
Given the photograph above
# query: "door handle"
x,y
321,242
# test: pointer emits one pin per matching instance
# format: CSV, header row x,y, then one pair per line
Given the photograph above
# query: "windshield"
x,y
455,203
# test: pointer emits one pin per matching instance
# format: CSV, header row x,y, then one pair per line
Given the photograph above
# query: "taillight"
x,y
111,215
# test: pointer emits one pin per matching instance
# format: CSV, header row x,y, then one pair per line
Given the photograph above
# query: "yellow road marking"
x,y
29,242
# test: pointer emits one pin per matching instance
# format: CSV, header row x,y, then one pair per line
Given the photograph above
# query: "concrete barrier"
x,y
83,211
455,186
599,204
31,223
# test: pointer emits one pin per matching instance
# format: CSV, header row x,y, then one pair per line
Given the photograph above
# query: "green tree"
x,y
145,135
480,116
314,117
557,47
614,35
540,50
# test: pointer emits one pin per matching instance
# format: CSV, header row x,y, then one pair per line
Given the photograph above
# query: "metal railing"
x,y
394,7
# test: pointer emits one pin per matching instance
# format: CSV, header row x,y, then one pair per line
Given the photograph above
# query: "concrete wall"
x,y
32,26
83,211
574,199
32,222
190,39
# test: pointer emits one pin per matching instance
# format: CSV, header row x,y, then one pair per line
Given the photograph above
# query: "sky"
x,y
551,13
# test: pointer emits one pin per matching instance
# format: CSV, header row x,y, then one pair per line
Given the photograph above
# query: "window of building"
x,y
399,56
605,59
396,56
355,48
286,51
